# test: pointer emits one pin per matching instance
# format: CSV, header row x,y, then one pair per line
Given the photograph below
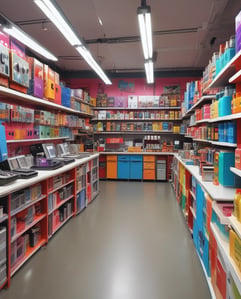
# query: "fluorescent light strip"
x,y
58,20
144,19
149,71
85,53
142,28
62,25
149,33
29,42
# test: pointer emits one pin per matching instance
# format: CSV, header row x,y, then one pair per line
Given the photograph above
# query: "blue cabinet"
x,y
123,170
136,167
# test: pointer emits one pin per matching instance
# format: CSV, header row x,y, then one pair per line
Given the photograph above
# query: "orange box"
x,y
149,174
111,158
49,83
149,158
111,170
149,165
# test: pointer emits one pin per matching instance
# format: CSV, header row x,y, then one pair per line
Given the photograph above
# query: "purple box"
x,y
121,102
238,31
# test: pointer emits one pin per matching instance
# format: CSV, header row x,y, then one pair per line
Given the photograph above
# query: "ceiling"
x,y
183,31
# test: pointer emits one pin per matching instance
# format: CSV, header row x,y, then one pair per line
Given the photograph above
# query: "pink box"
x,y
121,102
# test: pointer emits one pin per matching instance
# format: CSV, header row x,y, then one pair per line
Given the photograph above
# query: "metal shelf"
x,y
138,108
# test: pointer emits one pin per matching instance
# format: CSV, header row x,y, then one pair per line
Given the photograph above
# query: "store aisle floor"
x,y
130,243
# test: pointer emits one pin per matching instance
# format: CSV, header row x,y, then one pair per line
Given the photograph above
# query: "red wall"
x,y
140,86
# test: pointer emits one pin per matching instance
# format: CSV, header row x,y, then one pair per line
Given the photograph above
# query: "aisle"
x,y
130,243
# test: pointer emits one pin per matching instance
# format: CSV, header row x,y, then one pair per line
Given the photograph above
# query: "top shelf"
x,y
139,108
228,71
82,101
10,96
204,99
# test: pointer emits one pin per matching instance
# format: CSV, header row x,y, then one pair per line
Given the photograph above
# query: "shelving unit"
x,y
36,220
228,71
224,248
60,225
138,119
138,108
204,99
27,205
28,255
10,96
134,132
37,140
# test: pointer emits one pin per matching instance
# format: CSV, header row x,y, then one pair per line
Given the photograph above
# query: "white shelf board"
x,y
236,171
134,132
19,184
236,225
223,77
138,108
193,195
223,220
193,212
202,100
202,121
228,144
218,193
236,78
212,293
200,140
138,119
7,93
224,248
37,140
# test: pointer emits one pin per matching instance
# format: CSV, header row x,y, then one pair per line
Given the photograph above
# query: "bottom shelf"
x,y
80,210
28,254
60,225
208,279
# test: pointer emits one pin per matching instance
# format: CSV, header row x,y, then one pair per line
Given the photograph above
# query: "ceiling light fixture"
x,y
85,53
56,16
58,19
149,71
100,21
144,20
27,40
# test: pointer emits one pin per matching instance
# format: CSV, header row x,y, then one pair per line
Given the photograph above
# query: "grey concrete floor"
x,y
130,243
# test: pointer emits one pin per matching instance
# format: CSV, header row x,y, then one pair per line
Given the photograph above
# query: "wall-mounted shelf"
x,y
236,171
236,78
82,101
134,132
138,108
201,101
138,119
12,96
36,140
218,193
228,71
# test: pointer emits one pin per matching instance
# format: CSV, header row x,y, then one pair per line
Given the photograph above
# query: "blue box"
x,y
218,68
65,96
231,132
3,144
225,176
224,106
221,132
228,55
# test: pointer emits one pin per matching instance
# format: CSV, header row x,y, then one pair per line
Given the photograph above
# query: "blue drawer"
x,y
136,158
123,158
136,169
123,171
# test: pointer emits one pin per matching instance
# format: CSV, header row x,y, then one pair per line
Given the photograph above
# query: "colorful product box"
x,y
19,70
238,31
4,59
132,101
36,83
49,83
77,93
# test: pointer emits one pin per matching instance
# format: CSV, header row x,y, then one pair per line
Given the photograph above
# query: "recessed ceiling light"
x,y
100,21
